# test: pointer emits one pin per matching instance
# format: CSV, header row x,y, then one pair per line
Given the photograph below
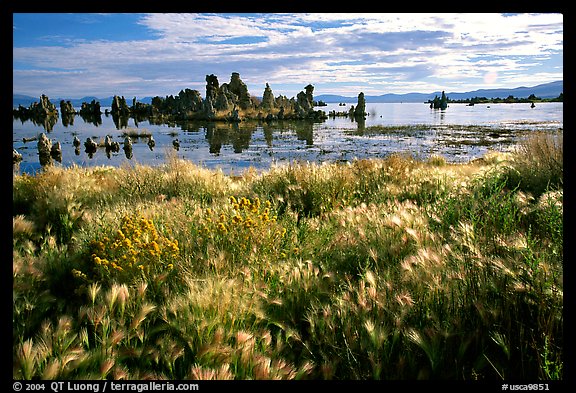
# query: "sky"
x,y
75,55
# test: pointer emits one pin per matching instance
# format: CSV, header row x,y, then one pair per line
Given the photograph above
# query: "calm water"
x,y
235,147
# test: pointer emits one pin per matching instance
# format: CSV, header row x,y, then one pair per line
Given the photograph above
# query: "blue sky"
x,y
137,55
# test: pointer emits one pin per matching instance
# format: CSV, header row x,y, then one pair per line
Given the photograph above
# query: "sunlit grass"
x,y
391,268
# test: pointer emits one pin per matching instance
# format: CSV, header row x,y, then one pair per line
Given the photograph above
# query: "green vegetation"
x,y
391,268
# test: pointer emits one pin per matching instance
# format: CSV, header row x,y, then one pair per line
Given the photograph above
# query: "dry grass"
x,y
388,269
539,163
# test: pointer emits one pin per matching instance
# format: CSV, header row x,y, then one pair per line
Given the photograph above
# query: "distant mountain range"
x,y
546,90
20,99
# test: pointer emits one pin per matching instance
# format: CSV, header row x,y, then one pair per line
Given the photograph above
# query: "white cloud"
x,y
405,52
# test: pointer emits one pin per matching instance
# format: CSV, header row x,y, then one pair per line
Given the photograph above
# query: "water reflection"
x,y
47,122
438,114
228,134
268,134
121,121
305,132
92,118
260,142
68,119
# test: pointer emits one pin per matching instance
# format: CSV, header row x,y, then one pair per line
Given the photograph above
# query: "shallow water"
x,y
460,133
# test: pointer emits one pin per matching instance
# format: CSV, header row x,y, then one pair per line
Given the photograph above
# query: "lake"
x,y
459,133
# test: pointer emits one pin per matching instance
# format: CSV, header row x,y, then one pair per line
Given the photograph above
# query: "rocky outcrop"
x,y
189,101
108,142
90,146
119,106
128,147
184,106
209,112
111,146
310,94
212,87
89,109
66,108
56,151
43,112
303,107
231,102
151,142
44,108
240,90
360,110
140,109
280,115
439,103
284,103
91,112
303,104
224,100
127,143
268,101
44,148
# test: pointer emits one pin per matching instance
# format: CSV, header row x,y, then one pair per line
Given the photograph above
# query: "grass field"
x,y
374,269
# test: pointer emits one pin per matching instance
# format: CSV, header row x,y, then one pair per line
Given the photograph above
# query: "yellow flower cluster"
x,y
136,245
244,222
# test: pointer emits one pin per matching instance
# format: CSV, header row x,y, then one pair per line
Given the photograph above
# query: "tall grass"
x,y
539,163
389,268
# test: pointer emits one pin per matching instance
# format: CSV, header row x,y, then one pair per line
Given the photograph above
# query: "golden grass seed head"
x,y
22,226
52,369
405,299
